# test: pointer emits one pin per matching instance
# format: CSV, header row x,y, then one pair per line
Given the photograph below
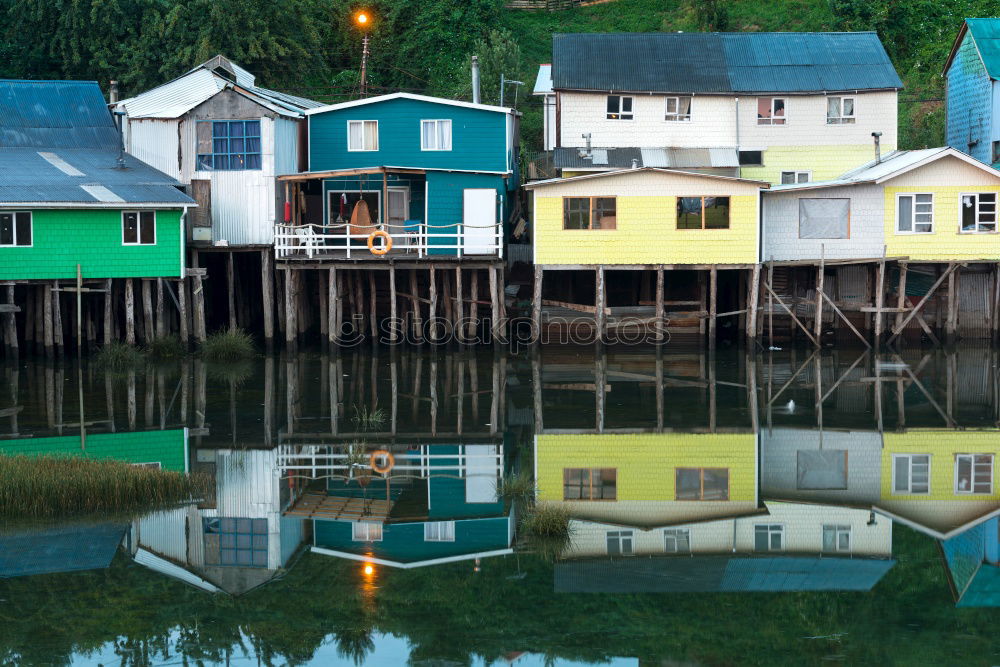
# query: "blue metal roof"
x,y
59,549
57,138
745,63
986,33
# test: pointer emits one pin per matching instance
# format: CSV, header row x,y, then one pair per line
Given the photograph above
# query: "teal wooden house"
x,y
972,90
435,176
70,197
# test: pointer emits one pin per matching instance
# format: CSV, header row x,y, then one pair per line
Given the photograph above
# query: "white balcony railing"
x,y
343,241
323,461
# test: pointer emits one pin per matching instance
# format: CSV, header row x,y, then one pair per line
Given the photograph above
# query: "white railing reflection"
x,y
417,239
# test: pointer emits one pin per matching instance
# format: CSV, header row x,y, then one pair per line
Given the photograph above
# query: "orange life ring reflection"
x,y
386,245
390,461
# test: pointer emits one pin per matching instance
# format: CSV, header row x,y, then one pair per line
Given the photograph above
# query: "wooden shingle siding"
x,y
969,102
479,137
92,238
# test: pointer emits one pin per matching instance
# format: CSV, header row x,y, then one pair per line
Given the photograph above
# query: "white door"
x,y
398,209
479,222
482,471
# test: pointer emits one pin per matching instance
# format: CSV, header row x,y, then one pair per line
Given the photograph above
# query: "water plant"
x,y
165,347
59,486
368,417
228,345
545,530
118,356
516,488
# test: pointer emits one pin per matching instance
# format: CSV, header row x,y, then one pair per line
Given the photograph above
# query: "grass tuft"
x,y
368,418
118,356
545,529
228,345
166,347
517,488
45,487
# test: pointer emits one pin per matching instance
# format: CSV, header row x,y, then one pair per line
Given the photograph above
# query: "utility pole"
x,y
363,21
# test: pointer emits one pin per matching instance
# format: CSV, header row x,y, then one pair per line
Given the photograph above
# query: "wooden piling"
x,y
879,300
702,302
29,316
394,327
536,301
713,308
951,325
901,295
108,320
333,307
474,303
129,312
231,289
415,306
496,295
147,310
432,311
198,299
459,327
267,295
818,319
323,289
291,323
58,338
752,302
661,324
182,311
10,326
600,303
372,317
161,324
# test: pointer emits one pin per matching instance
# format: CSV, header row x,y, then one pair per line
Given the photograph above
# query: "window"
x,y
996,152
235,542
915,214
979,212
230,145
839,110
795,177
435,135
768,537
824,218
366,531
590,483
821,469
702,484
703,213
138,228
770,111
620,543
751,158
678,109
589,213
837,539
439,531
362,135
677,541
15,228
911,473
974,473
619,107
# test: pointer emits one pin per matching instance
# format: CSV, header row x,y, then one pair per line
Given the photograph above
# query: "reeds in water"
x,y
118,356
166,347
546,530
45,487
228,345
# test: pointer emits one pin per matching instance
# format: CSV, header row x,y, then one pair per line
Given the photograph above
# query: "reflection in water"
x,y
374,476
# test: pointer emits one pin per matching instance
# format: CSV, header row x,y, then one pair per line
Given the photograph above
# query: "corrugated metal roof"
x,y
54,113
751,62
65,548
667,157
543,82
175,98
986,33
26,177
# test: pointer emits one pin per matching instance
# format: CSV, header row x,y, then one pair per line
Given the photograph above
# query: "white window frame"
x,y
624,537
772,528
138,229
672,533
678,116
795,176
996,212
362,149
367,537
909,479
971,491
842,119
621,103
423,121
913,213
31,224
769,121
439,531
838,530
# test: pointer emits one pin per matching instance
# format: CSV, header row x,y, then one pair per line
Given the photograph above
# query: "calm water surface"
x,y
784,508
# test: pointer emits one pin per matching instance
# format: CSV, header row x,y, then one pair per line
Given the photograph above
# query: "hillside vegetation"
x,y
312,48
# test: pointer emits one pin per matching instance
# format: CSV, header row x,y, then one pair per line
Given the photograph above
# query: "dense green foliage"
x,y
312,47
451,614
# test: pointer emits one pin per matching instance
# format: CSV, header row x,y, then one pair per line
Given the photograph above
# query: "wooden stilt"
x,y
753,302
333,307
291,320
57,321
267,295
394,326
29,316
10,326
713,308
600,318
901,295
661,325
323,288
536,301
359,301
820,286
231,289
182,311
432,313
39,292
129,312
951,325
916,309
161,324
703,301
198,304
879,301
770,304
147,311
459,327
474,303
415,306
995,311
372,318
108,320
496,296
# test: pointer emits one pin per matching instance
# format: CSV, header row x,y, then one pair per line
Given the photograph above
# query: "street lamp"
x,y
363,21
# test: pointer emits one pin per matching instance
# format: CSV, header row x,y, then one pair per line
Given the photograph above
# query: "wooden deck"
x,y
322,506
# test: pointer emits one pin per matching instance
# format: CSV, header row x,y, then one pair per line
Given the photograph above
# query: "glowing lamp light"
x,y
369,570
361,18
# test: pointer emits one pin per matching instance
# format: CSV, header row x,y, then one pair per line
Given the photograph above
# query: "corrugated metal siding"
x,y
157,564
164,533
292,535
155,142
286,146
242,207
175,98
974,293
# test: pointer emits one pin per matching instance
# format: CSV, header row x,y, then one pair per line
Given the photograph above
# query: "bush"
x,y
228,345
518,488
55,487
119,356
166,347
368,418
545,529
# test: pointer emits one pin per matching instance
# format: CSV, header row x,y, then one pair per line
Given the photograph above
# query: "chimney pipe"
x,y
120,122
113,92
475,79
878,147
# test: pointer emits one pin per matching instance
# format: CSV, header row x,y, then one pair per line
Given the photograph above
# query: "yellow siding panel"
x,y
942,447
825,163
946,242
646,463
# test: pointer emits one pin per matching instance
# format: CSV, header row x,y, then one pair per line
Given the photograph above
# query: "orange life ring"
x,y
390,461
379,234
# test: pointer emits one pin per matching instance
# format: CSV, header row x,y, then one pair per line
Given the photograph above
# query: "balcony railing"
x,y
412,239
324,461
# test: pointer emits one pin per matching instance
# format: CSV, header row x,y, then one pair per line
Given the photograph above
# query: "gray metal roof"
x,y
665,158
745,63
70,114
62,548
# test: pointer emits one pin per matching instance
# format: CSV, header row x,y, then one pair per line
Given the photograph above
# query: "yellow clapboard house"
x,y
940,481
